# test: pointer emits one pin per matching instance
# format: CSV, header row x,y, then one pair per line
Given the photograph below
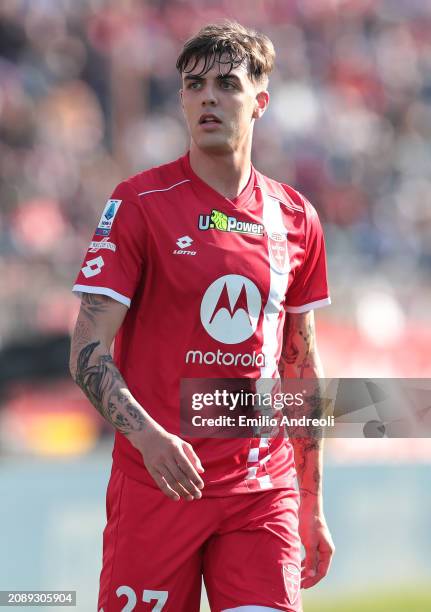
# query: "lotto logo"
x,y
93,267
184,242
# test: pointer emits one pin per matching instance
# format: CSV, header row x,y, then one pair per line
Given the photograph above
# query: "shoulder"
x,y
158,180
131,196
291,199
285,194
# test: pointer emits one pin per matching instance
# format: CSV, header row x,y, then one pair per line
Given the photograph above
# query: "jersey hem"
x,y
309,306
243,487
118,297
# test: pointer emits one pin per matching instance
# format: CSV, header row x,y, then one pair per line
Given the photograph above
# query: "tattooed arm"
x,y
93,368
171,461
300,359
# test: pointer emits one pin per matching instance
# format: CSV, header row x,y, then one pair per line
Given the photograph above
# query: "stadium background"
x,y
88,95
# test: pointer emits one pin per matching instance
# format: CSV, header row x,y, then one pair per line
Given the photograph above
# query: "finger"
x,y
310,561
169,484
193,458
312,577
308,578
325,561
309,582
182,479
175,485
164,487
186,466
309,568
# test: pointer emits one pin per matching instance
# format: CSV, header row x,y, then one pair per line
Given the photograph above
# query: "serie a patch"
x,y
107,218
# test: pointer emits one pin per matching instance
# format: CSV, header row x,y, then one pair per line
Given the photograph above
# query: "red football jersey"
x,y
207,281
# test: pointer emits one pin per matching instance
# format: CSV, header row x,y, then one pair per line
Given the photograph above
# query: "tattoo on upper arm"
x,y
82,334
290,349
298,344
93,305
104,386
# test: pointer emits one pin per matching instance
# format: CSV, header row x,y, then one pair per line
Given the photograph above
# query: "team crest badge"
x,y
278,251
292,582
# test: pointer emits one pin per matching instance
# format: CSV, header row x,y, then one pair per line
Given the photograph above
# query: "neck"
x,y
226,173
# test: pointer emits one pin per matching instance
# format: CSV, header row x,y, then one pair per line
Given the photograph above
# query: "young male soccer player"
x,y
205,268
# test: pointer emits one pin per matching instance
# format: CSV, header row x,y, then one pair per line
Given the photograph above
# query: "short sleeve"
x,y
309,289
114,262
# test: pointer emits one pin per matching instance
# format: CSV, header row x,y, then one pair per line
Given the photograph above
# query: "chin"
x,y
214,146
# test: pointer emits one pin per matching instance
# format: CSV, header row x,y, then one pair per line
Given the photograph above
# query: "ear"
x,y
261,104
180,93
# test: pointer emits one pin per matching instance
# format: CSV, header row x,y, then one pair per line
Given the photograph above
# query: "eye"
x,y
194,85
226,84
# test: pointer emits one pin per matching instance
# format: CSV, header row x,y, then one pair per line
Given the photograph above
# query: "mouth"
x,y
209,119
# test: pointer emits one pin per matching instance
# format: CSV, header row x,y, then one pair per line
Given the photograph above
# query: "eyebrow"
x,y
219,77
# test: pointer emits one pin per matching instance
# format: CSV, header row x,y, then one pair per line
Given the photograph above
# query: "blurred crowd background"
x,y
88,96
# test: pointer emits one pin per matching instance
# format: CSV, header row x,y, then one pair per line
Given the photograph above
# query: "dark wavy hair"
x,y
231,44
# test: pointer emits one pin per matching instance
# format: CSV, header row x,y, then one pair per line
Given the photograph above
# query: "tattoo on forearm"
x,y
314,483
307,443
104,386
299,360
311,408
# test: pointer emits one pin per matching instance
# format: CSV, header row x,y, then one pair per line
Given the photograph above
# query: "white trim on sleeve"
x,y
103,291
309,306
165,189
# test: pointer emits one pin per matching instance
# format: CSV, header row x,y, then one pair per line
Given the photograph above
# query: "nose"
x,y
209,97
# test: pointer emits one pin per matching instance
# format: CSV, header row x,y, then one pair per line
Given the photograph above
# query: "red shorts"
x,y
155,550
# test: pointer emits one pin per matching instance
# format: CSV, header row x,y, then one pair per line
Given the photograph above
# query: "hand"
x,y
318,544
171,462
